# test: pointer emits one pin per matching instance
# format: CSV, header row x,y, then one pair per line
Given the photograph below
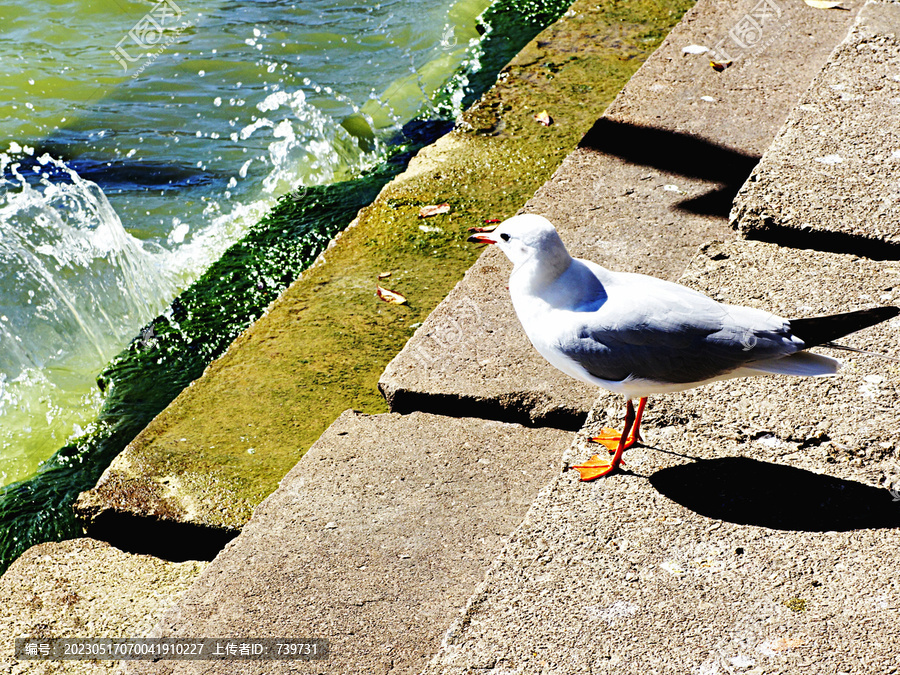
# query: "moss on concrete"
x,y
225,442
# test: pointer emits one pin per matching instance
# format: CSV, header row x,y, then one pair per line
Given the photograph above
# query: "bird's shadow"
x,y
750,492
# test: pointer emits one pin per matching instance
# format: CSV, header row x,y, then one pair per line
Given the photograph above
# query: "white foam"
x,y
79,289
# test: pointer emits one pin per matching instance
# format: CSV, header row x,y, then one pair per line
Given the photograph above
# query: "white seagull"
x,y
637,335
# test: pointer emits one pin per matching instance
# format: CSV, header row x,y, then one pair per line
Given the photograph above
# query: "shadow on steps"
x,y
167,539
827,242
512,408
696,157
683,154
749,492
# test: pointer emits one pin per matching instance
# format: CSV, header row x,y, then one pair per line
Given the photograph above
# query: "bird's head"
x,y
529,240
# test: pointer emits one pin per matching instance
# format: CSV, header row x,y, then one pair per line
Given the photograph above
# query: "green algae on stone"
x,y
174,349
322,347
796,604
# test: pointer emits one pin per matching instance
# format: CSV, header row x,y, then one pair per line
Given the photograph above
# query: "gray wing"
x,y
680,339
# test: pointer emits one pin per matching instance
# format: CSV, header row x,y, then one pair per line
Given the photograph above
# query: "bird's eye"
x,y
504,236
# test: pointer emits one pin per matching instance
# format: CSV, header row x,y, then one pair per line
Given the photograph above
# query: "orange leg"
x,y
610,437
596,467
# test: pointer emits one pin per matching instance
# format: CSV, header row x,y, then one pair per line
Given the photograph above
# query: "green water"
x,y
121,181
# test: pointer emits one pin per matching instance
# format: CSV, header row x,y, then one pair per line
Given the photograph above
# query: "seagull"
x,y
637,335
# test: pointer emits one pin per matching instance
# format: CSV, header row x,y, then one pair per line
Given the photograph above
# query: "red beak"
x,y
482,238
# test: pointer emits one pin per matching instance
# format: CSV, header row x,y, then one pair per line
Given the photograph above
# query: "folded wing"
x,y
676,336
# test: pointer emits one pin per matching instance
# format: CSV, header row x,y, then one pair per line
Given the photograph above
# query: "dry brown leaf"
x,y
544,118
824,4
390,296
479,228
433,210
719,66
384,275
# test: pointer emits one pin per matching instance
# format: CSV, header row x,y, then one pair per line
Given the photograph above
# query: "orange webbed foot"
x,y
610,438
595,467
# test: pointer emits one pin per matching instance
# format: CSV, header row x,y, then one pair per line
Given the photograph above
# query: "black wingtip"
x,y
821,329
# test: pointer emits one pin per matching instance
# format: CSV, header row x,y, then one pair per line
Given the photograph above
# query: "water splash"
x,y
303,147
75,285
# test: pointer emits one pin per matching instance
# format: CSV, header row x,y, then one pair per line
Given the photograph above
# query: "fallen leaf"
x,y
497,220
384,275
824,4
433,210
483,229
390,296
544,118
719,66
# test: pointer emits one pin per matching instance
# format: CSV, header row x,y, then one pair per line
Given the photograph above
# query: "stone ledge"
x,y
830,177
373,541
85,588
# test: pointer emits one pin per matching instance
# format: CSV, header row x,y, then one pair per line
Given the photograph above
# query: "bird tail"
x,y
820,330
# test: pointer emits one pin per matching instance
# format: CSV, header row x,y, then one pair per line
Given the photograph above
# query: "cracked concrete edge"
x,y
396,575
485,586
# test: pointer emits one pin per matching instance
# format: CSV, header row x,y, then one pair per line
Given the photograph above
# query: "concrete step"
x,y
830,178
754,532
653,180
374,542
85,588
